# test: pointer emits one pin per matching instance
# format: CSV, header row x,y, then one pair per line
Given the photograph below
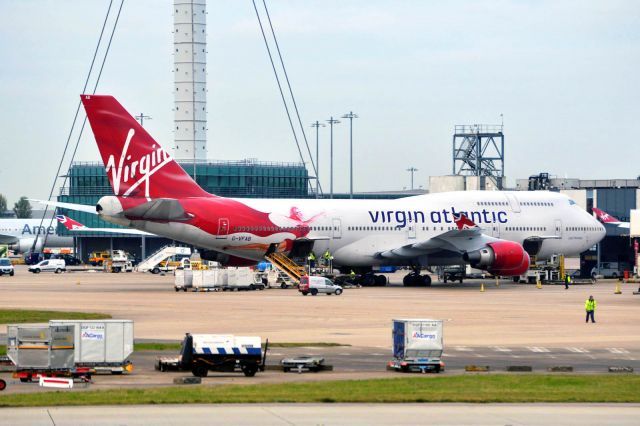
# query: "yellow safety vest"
x,y
590,305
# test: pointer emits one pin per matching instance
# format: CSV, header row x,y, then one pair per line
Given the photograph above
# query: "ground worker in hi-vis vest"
x,y
312,260
590,307
327,257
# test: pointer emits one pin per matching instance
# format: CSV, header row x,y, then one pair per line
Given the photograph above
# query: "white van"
x,y
51,265
315,285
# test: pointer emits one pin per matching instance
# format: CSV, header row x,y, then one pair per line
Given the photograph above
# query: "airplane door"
x,y
337,229
495,230
558,228
411,231
223,228
513,203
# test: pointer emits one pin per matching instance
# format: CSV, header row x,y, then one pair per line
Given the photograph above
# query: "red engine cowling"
x,y
505,258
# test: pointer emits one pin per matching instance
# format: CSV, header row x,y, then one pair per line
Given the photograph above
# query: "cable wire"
x,y
73,124
293,99
275,72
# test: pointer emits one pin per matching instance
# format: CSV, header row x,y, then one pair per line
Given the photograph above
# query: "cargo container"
x,y
417,345
40,346
104,345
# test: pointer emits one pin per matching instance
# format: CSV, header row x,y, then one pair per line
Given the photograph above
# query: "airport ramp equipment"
x,y
201,353
41,347
417,345
288,266
152,262
103,345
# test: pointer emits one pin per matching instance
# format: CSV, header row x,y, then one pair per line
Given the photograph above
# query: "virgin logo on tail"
x,y
137,171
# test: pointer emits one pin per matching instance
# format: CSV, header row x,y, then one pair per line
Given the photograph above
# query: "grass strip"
x,y
3,349
501,388
20,316
156,346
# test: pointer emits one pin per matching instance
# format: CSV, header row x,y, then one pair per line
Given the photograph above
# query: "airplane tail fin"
x,y
137,166
463,222
604,217
69,223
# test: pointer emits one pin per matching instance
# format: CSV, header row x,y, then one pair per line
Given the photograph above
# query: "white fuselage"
x,y
355,231
21,233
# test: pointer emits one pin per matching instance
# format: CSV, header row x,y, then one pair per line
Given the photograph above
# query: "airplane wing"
x,y
75,226
77,207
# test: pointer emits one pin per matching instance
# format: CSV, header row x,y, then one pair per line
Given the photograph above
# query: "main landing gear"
x,y
414,279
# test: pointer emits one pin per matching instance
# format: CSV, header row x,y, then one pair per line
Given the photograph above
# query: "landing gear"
x,y
414,279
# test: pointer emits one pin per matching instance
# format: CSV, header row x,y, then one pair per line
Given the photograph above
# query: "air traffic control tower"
x,y
190,79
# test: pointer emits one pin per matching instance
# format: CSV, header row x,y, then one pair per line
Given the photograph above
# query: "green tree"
x,y
3,204
22,208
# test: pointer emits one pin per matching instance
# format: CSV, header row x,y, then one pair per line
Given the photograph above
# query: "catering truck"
x,y
417,346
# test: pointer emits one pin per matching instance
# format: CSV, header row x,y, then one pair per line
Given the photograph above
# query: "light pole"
x,y
350,116
317,125
141,118
412,170
331,122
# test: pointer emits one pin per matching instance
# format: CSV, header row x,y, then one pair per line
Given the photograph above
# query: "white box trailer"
x,y
242,279
417,345
40,346
102,344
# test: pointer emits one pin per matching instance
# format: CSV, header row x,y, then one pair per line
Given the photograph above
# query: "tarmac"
x,y
506,325
330,414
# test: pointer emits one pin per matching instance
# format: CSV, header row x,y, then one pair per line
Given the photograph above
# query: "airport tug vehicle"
x,y
417,346
201,353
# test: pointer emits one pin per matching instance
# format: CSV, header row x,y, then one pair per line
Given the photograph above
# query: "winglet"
x,y
604,217
69,223
463,222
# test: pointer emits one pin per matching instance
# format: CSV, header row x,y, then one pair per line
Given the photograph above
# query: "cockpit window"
x,y
571,202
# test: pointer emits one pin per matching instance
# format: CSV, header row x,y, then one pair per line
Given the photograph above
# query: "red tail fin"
x,y
137,166
604,217
69,223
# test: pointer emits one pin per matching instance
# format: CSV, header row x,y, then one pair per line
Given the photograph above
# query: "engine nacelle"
x,y
505,258
24,245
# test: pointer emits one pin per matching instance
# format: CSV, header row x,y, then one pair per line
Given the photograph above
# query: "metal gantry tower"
x,y
478,150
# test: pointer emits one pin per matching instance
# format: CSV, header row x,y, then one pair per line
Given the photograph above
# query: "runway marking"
x,y
618,350
275,354
537,349
462,348
375,354
344,354
578,350
449,355
480,356
501,349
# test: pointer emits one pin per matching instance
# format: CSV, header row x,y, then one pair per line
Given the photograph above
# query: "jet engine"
x,y
505,258
24,245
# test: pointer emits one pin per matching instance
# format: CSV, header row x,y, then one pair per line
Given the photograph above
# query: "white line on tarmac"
x,y
501,349
618,350
578,350
462,348
538,349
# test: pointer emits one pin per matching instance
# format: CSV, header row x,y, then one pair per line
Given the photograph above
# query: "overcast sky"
x,y
563,73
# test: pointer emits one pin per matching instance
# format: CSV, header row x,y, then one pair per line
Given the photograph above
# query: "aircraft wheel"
x,y
426,280
381,280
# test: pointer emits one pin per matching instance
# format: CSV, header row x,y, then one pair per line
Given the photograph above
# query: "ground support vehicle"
x,y
452,273
104,346
98,258
417,346
43,350
51,265
118,262
201,353
300,363
6,268
316,285
158,262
